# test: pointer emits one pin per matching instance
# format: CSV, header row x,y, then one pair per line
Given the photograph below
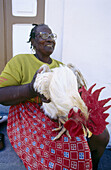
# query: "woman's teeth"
x,y
49,45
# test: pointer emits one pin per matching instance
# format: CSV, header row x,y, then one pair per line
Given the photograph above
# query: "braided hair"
x,y
33,32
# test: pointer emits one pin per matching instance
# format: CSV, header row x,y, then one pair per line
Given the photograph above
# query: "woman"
x,y
29,130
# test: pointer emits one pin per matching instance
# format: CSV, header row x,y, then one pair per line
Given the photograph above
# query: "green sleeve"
x,y
12,73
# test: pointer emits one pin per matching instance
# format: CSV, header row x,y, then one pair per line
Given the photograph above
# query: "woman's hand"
x,y
33,80
43,98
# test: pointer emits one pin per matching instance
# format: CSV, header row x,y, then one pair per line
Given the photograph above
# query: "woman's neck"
x,y
45,59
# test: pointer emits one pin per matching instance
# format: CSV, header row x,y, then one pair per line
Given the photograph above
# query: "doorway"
x,y
16,18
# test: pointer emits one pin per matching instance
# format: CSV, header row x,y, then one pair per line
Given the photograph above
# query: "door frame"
x,y
7,20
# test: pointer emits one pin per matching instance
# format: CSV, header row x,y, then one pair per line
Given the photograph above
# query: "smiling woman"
x,y
43,41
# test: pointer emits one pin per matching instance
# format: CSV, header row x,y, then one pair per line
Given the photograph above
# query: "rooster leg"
x,y
59,128
60,133
61,120
67,133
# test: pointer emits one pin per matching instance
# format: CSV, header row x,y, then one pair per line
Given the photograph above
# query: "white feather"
x,y
61,87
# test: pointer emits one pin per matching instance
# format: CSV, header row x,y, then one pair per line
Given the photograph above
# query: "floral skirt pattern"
x,y
30,134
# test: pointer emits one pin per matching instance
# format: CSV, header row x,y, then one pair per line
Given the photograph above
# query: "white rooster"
x,y
61,87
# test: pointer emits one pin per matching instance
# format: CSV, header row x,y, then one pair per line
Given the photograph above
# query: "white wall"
x,y
84,38
87,37
87,40
54,17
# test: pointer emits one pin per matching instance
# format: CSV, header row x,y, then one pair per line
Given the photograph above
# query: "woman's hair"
x,y
33,32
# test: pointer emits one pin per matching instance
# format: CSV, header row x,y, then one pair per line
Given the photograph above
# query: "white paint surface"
x,y
84,30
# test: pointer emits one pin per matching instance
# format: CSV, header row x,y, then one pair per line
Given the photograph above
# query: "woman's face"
x,y
44,46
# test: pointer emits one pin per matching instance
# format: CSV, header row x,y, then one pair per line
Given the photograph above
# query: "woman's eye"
x,y
44,36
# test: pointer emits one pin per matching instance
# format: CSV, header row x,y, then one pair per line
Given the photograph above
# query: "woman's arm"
x,y
15,94
12,95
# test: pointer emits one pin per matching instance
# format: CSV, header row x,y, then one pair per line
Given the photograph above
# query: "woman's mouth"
x,y
49,45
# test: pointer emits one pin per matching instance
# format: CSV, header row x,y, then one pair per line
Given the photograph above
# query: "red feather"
x,y
96,122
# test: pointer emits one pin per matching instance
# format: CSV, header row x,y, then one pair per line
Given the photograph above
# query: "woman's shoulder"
x,y
22,56
58,62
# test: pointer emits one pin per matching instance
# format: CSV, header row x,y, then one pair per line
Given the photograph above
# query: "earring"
x,y
32,50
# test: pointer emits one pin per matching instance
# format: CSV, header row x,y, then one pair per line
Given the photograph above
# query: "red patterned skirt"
x,y
30,133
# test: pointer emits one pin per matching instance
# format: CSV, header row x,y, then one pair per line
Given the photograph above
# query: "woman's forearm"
x,y
15,94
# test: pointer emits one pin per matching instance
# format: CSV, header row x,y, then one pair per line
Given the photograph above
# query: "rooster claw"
x,y
56,129
61,133
67,133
